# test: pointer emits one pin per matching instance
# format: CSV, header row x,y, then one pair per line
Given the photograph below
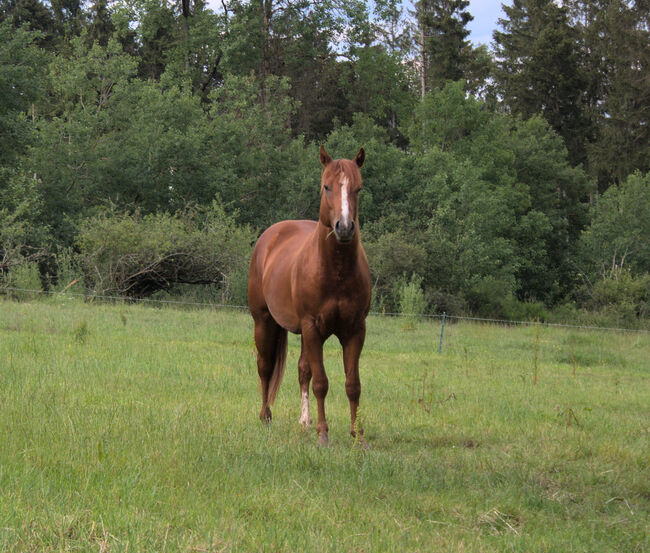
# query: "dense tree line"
x,y
144,144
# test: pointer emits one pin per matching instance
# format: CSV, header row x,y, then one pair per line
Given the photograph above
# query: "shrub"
x,y
137,256
626,298
69,273
410,298
22,278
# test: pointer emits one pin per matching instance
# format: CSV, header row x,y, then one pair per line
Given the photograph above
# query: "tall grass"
x,y
131,428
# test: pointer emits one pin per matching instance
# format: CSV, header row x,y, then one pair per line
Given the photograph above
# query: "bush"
x,y
20,279
69,273
136,256
494,298
410,298
625,298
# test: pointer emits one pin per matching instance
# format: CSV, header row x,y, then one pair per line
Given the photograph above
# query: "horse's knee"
x,y
304,373
320,386
353,390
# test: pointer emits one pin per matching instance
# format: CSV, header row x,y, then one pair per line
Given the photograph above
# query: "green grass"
x,y
132,428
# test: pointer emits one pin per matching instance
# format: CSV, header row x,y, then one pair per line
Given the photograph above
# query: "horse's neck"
x,y
340,258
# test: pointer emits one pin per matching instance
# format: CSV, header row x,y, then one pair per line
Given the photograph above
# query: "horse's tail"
x,y
278,365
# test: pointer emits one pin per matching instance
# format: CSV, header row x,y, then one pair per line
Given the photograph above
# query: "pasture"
x,y
133,428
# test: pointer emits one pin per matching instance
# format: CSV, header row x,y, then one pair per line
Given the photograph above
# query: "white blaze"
x,y
345,206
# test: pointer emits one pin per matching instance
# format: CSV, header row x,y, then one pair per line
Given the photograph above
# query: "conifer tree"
x,y
442,36
539,69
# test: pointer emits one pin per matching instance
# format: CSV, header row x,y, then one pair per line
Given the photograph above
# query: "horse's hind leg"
x,y
267,332
304,378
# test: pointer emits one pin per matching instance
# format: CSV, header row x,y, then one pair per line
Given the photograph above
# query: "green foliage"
x,y
539,69
443,32
21,236
381,88
23,282
499,200
617,237
21,84
68,273
410,298
623,297
390,255
615,38
151,108
137,255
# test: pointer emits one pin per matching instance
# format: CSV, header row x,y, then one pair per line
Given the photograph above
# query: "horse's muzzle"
x,y
344,232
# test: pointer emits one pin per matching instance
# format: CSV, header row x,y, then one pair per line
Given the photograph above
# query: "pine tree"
x,y
101,27
540,70
442,35
37,16
616,43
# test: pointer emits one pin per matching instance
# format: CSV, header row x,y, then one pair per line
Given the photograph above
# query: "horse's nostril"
x,y
351,227
337,226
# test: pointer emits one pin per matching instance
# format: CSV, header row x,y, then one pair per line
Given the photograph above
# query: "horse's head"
x,y
340,188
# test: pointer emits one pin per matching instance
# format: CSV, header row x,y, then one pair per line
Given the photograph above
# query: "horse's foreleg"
x,y
304,378
312,350
352,346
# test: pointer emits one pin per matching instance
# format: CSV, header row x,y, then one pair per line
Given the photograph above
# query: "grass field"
x,y
131,428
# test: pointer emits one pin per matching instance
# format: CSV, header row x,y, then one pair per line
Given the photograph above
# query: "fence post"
x,y
442,331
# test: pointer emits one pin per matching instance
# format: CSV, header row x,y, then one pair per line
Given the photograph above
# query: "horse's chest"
x,y
343,310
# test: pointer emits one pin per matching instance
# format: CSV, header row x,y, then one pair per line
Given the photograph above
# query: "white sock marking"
x,y
305,419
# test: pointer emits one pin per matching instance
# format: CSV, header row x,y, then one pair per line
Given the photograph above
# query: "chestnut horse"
x,y
312,278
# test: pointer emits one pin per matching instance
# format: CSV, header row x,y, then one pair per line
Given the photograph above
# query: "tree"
x,y
21,85
618,236
442,39
498,201
539,70
381,86
616,46
34,15
390,27
100,26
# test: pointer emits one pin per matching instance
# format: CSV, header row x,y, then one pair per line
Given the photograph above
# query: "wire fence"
x,y
212,305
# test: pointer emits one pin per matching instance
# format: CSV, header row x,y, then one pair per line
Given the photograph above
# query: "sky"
x,y
486,13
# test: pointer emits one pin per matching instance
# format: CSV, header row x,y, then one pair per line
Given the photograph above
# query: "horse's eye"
x,y
357,191
326,187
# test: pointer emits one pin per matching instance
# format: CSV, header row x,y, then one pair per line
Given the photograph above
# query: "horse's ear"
x,y
325,158
361,157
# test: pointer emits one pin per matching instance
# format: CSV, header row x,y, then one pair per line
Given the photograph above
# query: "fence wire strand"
x,y
375,313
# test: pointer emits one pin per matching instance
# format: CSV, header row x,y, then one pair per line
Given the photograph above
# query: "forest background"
x,y
145,144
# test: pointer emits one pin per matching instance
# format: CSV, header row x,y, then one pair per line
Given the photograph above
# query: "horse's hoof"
x,y
265,416
323,440
362,444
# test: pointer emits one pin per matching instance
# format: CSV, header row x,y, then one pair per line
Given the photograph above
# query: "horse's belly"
x,y
284,318
277,293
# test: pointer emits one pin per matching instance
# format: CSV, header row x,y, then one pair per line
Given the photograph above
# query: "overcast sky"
x,y
486,13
